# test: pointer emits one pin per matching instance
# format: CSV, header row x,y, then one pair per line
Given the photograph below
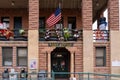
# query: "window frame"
x,y
59,24
17,61
72,18
6,20
3,58
42,26
100,57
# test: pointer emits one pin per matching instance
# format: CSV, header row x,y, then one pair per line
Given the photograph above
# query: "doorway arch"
x,y
60,61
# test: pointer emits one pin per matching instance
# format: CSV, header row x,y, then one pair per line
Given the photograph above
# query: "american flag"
x,y
54,18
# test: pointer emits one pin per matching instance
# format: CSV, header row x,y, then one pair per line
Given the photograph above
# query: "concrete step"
x,y
61,79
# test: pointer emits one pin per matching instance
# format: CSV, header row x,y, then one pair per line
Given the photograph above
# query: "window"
x,y
5,21
17,25
22,56
7,56
42,23
59,24
100,56
72,22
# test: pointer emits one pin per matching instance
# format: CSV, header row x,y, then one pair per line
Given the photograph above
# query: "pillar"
x,y
33,41
113,24
49,50
88,36
49,63
72,64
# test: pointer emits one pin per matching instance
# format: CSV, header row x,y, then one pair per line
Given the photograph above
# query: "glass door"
x,y
60,62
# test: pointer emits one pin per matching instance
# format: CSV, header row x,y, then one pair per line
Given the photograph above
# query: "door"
x,y
17,25
60,62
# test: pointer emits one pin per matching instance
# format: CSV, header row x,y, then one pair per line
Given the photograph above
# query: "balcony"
x,y
60,35
53,35
13,35
100,35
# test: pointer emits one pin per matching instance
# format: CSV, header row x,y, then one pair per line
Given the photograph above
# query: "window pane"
x,y
5,21
22,56
100,56
22,52
99,62
17,25
7,56
71,22
42,22
99,52
59,24
22,61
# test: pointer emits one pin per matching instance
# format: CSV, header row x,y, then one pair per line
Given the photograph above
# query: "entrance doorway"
x,y
17,25
60,62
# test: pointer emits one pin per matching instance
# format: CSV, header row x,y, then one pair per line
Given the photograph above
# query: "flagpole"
x,y
60,5
61,26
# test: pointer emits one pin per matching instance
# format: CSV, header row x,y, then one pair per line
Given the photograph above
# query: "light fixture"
x,y
97,2
59,55
13,3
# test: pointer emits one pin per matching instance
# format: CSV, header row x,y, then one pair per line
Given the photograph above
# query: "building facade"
x,y
93,51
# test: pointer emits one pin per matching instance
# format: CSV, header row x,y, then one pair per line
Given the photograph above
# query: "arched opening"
x,y
60,62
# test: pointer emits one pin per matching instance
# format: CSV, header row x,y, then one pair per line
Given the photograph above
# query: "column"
x,y
14,57
113,24
72,64
87,36
1,56
113,15
49,64
33,39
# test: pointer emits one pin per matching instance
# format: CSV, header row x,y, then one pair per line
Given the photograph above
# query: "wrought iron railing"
x,y
60,35
100,35
15,35
53,35
51,76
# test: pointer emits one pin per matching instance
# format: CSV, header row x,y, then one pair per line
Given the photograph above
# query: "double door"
x,y
60,62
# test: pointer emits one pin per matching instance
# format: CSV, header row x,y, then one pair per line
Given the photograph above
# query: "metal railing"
x,y
100,35
13,35
53,35
52,76
60,35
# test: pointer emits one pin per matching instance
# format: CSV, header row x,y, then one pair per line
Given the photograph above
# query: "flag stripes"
x,y
54,18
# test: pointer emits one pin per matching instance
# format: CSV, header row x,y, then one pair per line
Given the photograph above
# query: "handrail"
x,y
100,35
14,34
60,35
81,75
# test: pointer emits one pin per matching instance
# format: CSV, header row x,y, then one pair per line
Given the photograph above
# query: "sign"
x,y
33,64
116,63
60,44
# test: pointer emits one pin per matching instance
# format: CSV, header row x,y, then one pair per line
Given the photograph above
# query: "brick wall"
x,y
79,59
14,45
85,17
105,69
87,14
43,59
33,14
23,12
11,13
113,11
